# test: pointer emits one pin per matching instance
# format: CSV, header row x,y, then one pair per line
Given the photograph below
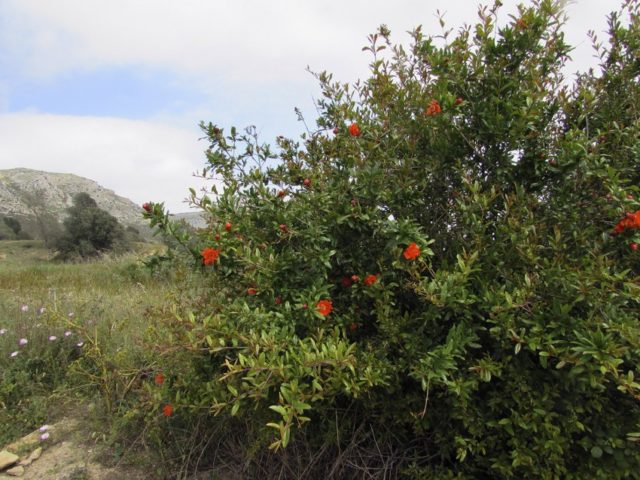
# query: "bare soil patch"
x,y
66,456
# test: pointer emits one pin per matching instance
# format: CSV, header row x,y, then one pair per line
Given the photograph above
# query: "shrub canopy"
x,y
439,262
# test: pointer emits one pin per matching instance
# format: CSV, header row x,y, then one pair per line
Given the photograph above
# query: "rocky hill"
x,y
195,219
22,189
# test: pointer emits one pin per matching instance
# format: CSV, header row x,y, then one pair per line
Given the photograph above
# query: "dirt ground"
x,y
66,456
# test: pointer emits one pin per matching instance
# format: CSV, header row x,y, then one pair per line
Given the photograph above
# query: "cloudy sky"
x,y
114,90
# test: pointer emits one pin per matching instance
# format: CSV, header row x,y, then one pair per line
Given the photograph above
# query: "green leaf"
x,y
280,409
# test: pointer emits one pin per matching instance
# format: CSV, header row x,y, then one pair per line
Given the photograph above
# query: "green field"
x,y
99,305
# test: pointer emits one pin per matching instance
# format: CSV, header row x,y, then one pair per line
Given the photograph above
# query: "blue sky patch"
x,y
113,92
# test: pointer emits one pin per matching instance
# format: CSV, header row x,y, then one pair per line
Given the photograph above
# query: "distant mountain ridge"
x,y
57,191
195,219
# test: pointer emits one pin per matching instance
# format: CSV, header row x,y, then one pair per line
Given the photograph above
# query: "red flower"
x,y
459,100
346,282
282,193
283,228
411,252
159,379
354,130
355,278
634,246
251,291
306,182
370,279
227,226
147,206
324,307
217,237
210,255
336,131
433,108
167,410
278,300
631,220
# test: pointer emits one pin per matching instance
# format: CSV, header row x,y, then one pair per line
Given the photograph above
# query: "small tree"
x,y
89,230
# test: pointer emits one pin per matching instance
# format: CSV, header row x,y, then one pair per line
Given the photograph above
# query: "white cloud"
x,y
243,41
139,160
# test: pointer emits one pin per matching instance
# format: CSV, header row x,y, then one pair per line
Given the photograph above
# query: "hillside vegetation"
x,y
34,197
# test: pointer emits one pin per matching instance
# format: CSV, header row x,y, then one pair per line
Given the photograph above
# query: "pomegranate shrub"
x,y
439,265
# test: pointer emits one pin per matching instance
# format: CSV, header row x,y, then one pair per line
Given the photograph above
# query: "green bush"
x,y
14,224
89,230
438,282
6,233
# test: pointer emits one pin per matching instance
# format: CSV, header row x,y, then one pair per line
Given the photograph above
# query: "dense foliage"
x,y
14,224
439,282
89,230
10,228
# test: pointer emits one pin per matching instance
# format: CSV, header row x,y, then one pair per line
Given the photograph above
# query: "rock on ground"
x,y
62,456
7,459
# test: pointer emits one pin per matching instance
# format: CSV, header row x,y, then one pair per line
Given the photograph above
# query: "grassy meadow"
x,y
53,316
